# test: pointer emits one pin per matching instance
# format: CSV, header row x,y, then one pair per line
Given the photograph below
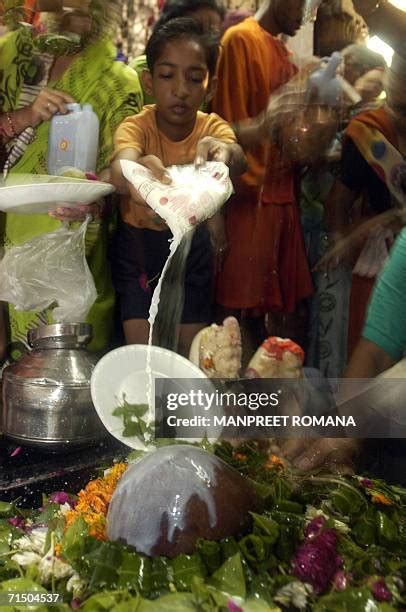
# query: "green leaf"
x,y
264,525
172,602
105,601
351,600
185,568
137,410
134,572
210,553
229,547
347,500
229,578
160,576
259,605
74,542
387,530
7,510
257,550
289,536
103,562
364,529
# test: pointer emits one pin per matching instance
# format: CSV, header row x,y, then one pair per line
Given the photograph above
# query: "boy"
x,y
182,60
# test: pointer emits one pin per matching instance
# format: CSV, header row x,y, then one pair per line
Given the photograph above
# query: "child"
x,y
182,60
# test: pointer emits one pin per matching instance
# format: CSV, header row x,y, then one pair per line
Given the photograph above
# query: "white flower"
x,y
34,541
64,509
50,566
312,513
75,585
295,594
26,558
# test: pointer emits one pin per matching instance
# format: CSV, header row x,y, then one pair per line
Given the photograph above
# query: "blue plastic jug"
x,y
74,140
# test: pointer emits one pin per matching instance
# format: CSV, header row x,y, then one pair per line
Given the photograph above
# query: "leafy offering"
x,y
322,543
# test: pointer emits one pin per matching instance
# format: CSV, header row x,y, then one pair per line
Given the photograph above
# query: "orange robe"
x,y
266,266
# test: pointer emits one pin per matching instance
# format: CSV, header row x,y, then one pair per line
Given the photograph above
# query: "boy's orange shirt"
x,y
141,133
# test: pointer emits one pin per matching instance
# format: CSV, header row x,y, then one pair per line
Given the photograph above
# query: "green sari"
x,y
114,92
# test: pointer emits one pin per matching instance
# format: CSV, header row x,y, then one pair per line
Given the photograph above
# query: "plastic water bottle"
x,y
325,82
74,140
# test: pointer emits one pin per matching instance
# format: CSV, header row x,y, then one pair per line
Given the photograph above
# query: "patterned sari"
x,y
114,92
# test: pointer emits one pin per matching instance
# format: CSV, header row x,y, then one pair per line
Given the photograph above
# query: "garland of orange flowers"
x,y
94,499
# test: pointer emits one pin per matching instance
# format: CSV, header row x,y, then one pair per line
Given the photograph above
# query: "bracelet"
x,y
11,125
7,131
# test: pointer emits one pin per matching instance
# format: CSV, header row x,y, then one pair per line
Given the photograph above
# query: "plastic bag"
x,y
194,195
48,269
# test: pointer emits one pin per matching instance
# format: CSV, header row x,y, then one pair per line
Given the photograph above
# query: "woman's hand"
x,y
48,103
78,213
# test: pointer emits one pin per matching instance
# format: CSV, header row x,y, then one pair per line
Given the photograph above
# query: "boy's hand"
x,y
154,164
212,149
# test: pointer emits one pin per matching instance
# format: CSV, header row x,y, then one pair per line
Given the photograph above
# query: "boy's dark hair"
x,y
183,28
173,9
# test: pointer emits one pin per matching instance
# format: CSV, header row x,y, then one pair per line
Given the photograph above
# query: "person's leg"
x,y
198,305
187,332
139,257
136,331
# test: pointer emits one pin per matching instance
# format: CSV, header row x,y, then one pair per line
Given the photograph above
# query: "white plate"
x,y
123,372
36,194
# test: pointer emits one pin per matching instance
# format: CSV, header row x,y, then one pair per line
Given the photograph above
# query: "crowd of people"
x,y
191,99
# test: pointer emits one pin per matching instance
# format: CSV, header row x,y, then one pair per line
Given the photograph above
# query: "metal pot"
x,y
46,394
308,134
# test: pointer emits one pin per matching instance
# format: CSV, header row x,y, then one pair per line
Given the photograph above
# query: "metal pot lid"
x,y
80,331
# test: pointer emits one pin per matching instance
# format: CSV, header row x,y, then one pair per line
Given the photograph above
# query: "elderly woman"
x,y
40,74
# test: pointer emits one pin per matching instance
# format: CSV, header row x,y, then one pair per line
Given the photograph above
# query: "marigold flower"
x,y
93,501
380,498
274,461
240,456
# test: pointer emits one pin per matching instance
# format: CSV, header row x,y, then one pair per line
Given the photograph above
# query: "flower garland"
x,y
93,501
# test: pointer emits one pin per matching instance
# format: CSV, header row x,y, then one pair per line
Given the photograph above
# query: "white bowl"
x,y
122,372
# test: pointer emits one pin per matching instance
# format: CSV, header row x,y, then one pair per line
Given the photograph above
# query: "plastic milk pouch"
x,y
194,195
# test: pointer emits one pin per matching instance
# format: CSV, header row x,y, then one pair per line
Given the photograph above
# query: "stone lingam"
x,y
172,497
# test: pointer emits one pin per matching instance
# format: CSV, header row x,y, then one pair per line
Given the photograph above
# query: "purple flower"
x,y
366,482
17,521
60,497
380,591
314,527
75,603
317,561
232,607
